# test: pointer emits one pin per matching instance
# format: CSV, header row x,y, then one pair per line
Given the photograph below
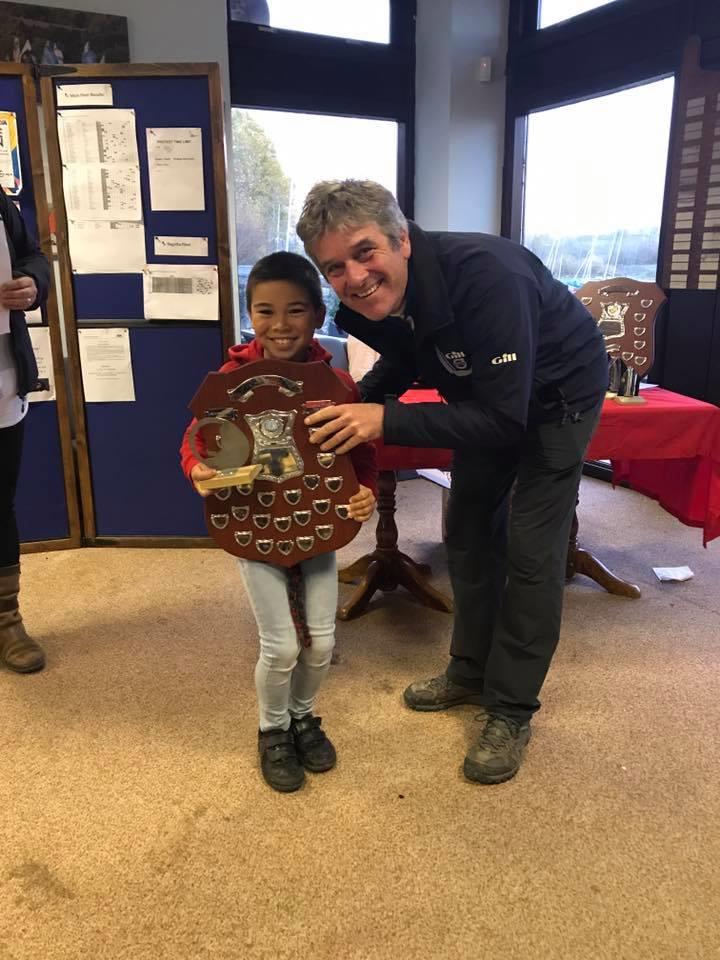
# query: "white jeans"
x,y
288,675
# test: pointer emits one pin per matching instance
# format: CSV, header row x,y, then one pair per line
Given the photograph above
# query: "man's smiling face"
x,y
365,270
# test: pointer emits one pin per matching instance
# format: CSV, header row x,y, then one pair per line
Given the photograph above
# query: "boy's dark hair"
x,y
286,266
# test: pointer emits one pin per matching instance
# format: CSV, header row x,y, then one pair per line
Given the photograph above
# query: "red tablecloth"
x,y
667,448
413,458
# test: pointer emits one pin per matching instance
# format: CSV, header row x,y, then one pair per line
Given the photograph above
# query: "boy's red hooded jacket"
x,y
362,456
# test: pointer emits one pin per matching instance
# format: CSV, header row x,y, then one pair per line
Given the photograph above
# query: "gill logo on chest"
x,y
454,361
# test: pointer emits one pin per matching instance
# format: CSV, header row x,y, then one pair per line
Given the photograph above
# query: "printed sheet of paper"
x,y
102,192
34,318
101,172
181,292
181,246
97,136
107,246
40,337
176,170
106,365
10,173
84,94
5,276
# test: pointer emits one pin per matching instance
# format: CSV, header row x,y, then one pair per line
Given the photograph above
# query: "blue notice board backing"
x,y
131,481
138,487
41,503
157,102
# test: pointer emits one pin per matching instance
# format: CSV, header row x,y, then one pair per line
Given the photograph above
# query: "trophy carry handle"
x,y
287,387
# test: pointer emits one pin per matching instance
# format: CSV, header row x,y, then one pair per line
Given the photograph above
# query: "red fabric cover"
x,y
414,458
667,448
362,456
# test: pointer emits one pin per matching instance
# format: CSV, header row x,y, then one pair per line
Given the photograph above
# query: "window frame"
x,y
522,207
600,52
590,55
333,76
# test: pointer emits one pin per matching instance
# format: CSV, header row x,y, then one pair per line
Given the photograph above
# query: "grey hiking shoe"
x,y
497,755
439,693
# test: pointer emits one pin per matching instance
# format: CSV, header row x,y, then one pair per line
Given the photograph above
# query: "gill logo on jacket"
x,y
504,358
454,361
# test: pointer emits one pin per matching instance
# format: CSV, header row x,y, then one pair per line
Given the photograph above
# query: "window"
x,y
278,156
350,19
595,182
553,11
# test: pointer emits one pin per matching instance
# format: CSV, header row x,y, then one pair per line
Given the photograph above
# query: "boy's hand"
x,y
362,504
201,472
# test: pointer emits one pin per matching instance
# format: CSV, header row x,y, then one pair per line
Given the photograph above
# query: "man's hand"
x,y
18,294
201,472
346,425
362,504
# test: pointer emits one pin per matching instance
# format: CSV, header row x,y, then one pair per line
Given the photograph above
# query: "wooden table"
x,y
667,448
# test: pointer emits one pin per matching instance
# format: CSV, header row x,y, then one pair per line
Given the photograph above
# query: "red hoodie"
x,y
362,456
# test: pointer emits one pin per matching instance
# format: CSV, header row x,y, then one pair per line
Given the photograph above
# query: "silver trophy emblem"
x,y
275,447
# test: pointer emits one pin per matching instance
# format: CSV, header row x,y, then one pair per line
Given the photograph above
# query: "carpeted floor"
x,y
135,823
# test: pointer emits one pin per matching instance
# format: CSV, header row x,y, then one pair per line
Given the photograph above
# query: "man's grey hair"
x,y
349,204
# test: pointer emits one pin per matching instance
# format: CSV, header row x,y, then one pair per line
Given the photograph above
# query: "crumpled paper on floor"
x,y
673,574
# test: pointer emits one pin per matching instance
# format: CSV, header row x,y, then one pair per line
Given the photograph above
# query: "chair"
x,y
625,311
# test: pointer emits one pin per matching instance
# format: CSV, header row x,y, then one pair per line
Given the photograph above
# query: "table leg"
x,y
582,561
386,568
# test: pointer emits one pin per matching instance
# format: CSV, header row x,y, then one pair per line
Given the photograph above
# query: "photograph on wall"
x,y
31,33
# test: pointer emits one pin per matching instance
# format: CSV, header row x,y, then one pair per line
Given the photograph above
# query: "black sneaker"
x,y
497,755
315,751
439,693
279,760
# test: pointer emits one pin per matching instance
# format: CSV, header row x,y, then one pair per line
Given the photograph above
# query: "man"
x,y
523,369
26,289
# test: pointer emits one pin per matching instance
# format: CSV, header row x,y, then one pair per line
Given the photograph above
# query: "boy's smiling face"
x,y
284,319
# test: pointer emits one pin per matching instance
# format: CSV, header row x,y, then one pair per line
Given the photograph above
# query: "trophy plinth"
x,y
233,477
624,400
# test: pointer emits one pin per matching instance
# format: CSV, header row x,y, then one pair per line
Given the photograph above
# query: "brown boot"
x,y
18,651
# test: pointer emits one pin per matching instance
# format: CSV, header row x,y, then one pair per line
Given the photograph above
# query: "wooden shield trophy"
x,y
276,497
625,311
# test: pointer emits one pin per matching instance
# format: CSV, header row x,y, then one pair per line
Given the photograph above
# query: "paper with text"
x,y
102,192
5,276
181,246
176,168
97,136
107,246
10,173
106,365
181,292
84,94
40,337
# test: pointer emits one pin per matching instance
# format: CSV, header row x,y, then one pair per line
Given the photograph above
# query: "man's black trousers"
x,y
508,525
